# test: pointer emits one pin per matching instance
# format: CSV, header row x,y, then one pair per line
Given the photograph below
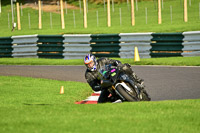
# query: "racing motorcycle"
x,y
121,85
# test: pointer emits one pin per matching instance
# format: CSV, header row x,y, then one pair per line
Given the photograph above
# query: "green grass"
x,y
39,61
173,61
35,105
41,91
177,25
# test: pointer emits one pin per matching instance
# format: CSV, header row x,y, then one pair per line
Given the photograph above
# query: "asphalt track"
x,y
162,82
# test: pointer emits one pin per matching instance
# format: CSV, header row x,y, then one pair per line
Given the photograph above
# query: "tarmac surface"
x,y
162,82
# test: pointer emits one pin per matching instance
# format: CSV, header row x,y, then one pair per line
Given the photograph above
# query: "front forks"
x,y
113,87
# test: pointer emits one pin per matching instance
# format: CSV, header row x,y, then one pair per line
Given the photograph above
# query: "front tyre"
x,y
125,94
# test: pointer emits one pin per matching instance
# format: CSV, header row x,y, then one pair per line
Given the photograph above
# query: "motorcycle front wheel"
x,y
125,94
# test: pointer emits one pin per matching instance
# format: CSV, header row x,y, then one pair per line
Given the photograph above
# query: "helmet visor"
x,y
90,64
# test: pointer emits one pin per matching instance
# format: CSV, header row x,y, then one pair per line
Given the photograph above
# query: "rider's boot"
x,y
140,84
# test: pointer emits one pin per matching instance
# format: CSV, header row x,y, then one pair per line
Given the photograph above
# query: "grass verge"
x,y
35,105
173,61
146,19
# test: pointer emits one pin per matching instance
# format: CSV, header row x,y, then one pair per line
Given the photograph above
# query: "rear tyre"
x,y
125,94
145,96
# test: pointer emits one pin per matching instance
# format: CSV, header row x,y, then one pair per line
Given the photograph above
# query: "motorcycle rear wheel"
x,y
125,94
145,96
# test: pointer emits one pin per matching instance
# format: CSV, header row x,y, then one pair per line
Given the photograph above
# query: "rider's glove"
x,y
97,88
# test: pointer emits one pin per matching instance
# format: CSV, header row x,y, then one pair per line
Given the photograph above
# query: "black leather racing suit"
x,y
95,83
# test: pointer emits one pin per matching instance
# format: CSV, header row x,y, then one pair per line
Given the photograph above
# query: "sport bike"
x,y
121,85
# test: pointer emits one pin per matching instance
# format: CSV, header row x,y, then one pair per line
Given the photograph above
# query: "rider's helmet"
x,y
90,62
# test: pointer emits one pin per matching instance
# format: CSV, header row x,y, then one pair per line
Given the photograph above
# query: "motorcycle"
x,y
121,85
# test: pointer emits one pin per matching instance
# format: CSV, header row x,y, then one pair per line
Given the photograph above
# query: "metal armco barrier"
x,y
166,44
50,46
25,46
105,45
191,43
130,40
6,47
76,46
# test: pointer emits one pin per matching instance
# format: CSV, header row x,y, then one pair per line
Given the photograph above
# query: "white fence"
x,y
191,43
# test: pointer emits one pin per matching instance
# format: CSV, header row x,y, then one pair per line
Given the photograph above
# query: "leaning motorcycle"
x,y
121,84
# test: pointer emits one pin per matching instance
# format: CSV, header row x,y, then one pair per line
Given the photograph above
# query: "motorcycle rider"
x,y
91,75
